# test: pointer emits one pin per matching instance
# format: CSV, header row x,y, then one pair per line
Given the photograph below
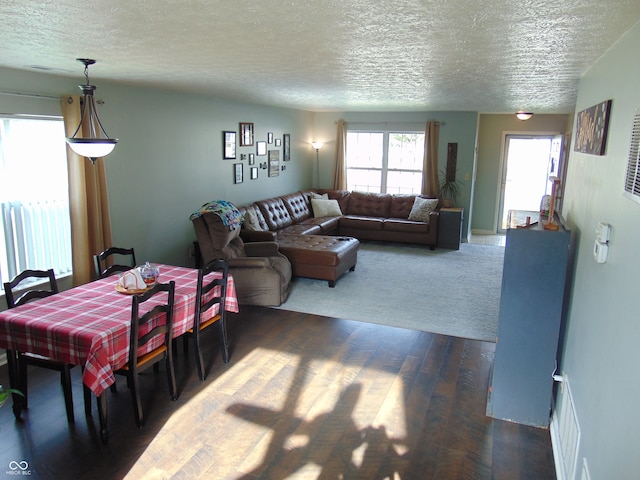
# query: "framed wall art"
x,y
592,125
278,142
252,159
274,163
286,140
246,134
228,145
254,173
238,172
261,148
270,137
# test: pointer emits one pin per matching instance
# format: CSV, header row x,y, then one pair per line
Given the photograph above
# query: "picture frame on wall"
x,y
278,142
246,134
261,148
592,126
228,145
254,173
274,163
238,172
270,137
286,149
252,159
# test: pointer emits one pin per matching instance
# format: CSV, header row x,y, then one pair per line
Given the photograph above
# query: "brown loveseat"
x,y
365,216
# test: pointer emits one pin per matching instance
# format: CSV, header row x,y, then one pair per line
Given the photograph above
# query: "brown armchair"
x,y
261,273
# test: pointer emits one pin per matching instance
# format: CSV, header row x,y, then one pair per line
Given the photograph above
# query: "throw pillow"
x,y
324,196
422,208
325,208
251,220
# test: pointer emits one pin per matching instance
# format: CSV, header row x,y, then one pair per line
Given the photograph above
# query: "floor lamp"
x,y
317,146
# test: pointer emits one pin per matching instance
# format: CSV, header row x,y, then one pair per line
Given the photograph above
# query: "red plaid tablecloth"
x,y
89,325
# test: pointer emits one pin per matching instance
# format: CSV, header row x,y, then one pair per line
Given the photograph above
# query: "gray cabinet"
x,y
450,227
531,311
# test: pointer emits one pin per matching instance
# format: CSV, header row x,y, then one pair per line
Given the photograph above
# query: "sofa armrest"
x,y
249,236
249,262
261,249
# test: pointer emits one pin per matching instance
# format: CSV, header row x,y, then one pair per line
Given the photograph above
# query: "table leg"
x,y
102,413
15,381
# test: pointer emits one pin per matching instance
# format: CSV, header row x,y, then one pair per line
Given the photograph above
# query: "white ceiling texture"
x,y
323,55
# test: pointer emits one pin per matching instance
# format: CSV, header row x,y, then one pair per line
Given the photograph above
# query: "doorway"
x,y
529,161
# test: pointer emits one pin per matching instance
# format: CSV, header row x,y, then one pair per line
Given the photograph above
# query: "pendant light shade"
x,y
90,139
524,115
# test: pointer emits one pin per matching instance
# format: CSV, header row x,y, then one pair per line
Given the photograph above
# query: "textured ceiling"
x,y
348,55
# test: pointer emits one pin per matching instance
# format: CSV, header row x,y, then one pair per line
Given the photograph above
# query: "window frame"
x,y
386,130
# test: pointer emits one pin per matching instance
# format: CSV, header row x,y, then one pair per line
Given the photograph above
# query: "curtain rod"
x,y
30,95
390,123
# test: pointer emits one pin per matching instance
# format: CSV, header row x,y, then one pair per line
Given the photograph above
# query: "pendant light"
x,y
97,144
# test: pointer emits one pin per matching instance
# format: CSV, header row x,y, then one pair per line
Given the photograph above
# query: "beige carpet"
x,y
450,292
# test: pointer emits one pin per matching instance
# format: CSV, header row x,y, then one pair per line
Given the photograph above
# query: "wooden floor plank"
x,y
302,397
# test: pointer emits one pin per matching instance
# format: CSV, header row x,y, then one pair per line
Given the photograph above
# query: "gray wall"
x,y
600,356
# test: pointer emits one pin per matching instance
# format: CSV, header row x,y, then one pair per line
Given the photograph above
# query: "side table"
x,y
450,227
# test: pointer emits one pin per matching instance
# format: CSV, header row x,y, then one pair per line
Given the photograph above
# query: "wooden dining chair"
x,y
210,292
157,321
36,291
104,261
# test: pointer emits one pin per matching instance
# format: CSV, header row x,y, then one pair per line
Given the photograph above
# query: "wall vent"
x,y
566,435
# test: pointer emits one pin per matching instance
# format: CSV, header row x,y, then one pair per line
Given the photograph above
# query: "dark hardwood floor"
x,y
303,397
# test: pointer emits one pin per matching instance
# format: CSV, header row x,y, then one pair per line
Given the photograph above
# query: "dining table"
x,y
89,325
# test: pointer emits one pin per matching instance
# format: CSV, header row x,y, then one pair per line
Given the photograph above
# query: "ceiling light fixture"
x,y
524,115
93,142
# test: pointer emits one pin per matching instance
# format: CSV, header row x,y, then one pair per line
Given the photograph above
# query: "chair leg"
x,y
65,380
87,400
171,374
22,368
199,359
135,398
223,339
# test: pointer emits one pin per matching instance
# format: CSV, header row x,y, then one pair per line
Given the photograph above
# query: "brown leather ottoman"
x,y
319,256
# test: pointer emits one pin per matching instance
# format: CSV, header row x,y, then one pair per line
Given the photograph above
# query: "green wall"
x,y
600,355
168,161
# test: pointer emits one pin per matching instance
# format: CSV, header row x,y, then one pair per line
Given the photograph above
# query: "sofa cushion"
x,y
251,220
405,226
360,222
401,205
342,196
275,213
328,225
369,204
298,206
319,196
325,208
422,208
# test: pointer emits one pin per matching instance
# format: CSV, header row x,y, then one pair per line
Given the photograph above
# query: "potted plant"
x,y
4,394
449,188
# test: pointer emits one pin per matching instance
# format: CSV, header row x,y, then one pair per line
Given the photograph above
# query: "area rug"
x,y
450,292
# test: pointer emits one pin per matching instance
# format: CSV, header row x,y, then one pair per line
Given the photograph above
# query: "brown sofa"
x,y
365,216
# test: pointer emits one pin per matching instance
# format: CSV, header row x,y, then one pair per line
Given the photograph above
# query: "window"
x,y
385,162
35,231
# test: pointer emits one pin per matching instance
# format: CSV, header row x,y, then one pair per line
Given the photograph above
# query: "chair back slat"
x,y
34,291
205,292
152,317
104,261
